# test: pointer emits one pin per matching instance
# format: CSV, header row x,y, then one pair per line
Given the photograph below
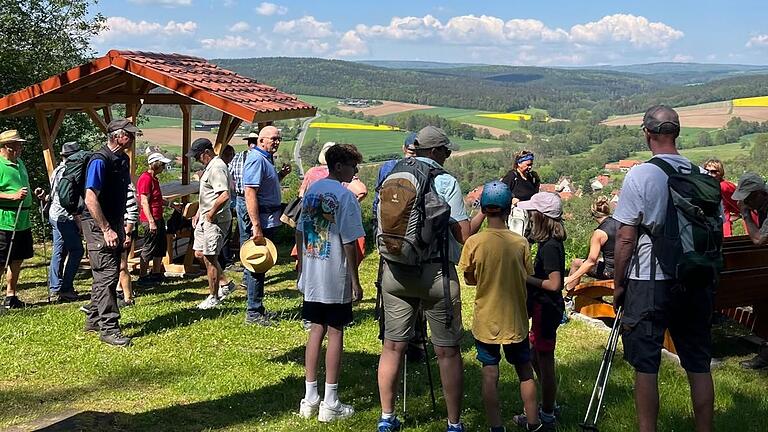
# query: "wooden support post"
x,y
46,140
107,112
233,127
186,141
55,124
131,113
221,137
97,120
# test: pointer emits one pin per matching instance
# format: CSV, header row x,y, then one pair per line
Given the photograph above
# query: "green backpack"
x,y
71,187
690,246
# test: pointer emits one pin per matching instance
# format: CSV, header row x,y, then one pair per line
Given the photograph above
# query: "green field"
x,y
723,152
321,102
154,122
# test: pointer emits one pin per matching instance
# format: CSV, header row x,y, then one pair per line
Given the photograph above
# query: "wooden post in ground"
x,y
48,131
186,141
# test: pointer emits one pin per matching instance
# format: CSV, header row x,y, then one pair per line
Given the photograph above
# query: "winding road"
x,y
299,141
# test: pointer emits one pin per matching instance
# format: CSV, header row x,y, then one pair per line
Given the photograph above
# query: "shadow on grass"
x,y
177,319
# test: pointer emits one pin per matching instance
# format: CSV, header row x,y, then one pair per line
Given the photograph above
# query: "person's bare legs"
x,y
312,351
575,264
490,391
157,265
545,369
389,370
12,275
452,377
125,278
333,354
703,398
646,401
528,392
212,269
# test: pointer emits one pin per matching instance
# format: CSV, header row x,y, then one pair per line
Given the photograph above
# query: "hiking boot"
x,y
13,302
389,425
258,319
210,302
115,339
124,303
67,296
151,279
755,363
226,290
329,413
547,423
308,409
455,428
90,327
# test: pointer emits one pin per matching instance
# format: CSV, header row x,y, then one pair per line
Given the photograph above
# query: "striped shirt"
x,y
131,207
236,171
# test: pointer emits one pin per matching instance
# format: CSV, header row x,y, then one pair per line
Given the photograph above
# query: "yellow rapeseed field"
x,y
353,126
508,116
759,101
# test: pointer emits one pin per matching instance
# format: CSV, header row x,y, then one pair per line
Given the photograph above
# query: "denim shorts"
x,y
517,354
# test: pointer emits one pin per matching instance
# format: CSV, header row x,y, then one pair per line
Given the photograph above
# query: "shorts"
x,y
517,354
155,245
599,272
650,308
404,289
331,314
22,245
209,236
545,319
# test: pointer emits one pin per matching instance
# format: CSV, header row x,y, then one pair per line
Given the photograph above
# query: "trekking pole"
x,y
428,366
589,424
45,249
10,247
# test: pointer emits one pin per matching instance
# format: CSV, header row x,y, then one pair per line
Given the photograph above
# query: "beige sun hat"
x,y
258,258
321,156
10,136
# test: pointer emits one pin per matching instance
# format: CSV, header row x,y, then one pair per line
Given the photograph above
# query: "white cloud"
x,y
310,46
228,43
636,30
269,9
407,28
759,41
306,26
682,58
167,3
351,45
119,27
239,27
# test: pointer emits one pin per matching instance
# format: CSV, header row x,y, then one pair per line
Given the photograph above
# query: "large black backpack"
x,y
71,187
690,246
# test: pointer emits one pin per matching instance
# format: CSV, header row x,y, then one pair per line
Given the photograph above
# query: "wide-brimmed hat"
x,y
70,148
323,151
258,258
251,137
547,203
10,136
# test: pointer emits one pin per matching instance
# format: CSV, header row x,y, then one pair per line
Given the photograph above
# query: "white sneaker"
x,y
226,290
308,409
210,302
330,413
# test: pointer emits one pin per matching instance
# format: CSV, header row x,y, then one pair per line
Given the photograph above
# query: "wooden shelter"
x,y
141,78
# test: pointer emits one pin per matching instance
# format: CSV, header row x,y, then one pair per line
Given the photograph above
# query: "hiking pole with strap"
x,y
590,420
426,361
10,247
45,248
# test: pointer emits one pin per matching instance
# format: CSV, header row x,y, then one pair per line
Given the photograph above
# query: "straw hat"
x,y
10,136
258,258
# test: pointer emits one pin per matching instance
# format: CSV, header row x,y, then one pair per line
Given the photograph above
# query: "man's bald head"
x,y
661,120
269,139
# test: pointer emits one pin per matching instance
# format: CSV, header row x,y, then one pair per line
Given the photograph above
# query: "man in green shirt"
x,y
14,192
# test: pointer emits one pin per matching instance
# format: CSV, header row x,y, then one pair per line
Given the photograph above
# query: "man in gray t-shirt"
x,y
213,219
648,295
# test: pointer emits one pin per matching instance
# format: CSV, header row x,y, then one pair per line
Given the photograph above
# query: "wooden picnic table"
x,y
175,190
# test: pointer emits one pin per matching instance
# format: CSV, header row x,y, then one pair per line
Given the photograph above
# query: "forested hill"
x,y
501,88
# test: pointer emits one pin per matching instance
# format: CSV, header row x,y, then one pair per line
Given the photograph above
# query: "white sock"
x,y
387,416
331,394
310,394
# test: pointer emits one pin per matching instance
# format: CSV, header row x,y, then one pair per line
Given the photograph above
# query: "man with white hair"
x,y
106,186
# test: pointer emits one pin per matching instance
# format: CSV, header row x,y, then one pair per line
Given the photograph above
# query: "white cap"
x,y
158,157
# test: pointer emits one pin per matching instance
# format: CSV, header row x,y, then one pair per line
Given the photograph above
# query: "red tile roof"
x,y
628,163
112,79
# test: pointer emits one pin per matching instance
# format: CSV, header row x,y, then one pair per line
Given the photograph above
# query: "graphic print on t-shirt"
x,y
318,214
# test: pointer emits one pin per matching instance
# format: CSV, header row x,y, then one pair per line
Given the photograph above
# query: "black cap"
x,y
123,124
199,146
661,119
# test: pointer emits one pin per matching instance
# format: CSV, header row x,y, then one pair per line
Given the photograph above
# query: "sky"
x,y
529,33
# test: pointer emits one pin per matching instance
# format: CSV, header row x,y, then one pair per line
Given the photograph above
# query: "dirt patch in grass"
x,y
494,131
386,108
172,136
704,116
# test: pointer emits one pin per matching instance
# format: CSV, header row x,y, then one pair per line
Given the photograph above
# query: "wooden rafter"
x,y
121,98
43,128
221,136
97,120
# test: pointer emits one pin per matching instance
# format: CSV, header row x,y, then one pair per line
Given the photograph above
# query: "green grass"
x,y
321,102
491,122
154,122
725,153
205,370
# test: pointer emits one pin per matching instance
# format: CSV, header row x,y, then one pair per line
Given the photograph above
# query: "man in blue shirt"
x,y
106,186
261,186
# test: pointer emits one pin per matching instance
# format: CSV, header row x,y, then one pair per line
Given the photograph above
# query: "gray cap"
x,y
123,124
199,146
432,137
70,148
661,119
748,183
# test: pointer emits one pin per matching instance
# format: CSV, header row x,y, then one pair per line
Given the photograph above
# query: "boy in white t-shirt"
x,y
326,236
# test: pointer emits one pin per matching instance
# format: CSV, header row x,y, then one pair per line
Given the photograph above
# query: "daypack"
x,y
71,187
412,219
690,246
518,221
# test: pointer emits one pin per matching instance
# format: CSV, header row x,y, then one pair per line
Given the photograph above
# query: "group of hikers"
x,y
424,233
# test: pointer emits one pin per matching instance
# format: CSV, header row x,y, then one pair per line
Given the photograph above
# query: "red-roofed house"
x,y
623,165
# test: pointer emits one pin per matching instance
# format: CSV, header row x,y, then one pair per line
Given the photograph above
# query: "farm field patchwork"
x,y
508,116
759,101
352,126
725,152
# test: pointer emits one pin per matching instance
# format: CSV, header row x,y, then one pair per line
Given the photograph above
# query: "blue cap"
x,y
496,194
410,139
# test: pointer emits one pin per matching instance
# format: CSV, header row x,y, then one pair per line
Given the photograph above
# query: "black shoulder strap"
x,y
663,165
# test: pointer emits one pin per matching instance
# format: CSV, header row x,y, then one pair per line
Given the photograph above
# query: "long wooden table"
x,y
175,190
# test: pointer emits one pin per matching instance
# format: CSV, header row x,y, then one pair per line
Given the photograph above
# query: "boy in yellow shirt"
x,y
498,261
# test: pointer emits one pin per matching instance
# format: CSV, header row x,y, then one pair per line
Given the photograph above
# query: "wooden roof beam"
x,y
121,98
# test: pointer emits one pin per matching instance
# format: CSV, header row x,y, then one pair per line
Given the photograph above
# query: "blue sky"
x,y
537,33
